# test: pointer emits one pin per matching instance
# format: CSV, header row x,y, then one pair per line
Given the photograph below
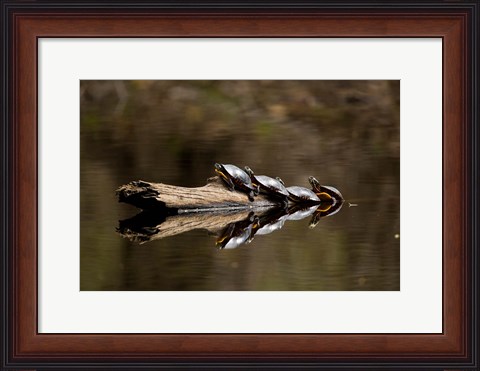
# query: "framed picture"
x,y
304,175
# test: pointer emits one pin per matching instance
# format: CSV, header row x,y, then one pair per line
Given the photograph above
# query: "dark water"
x,y
345,133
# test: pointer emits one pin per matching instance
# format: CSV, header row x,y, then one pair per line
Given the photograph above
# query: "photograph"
x,y
235,185
240,185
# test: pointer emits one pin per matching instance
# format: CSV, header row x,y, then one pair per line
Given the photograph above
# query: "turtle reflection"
x,y
238,233
231,229
271,222
299,212
324,211
243,232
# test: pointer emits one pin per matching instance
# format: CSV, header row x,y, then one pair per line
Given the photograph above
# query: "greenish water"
x,y
345,133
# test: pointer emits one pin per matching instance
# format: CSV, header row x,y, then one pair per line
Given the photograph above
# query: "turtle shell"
x,y
302,194
270,185
332,191
237,177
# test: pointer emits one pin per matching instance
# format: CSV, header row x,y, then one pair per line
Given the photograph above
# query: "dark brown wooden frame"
x,y
456,24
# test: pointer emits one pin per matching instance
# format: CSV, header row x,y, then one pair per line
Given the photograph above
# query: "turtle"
x,y
235,177
302,194
322,212
270,186
325,193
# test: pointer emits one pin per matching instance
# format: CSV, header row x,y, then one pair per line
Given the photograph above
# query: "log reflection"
x,y
231,229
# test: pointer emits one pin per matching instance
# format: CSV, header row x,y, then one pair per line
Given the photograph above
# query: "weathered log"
x,y
215,195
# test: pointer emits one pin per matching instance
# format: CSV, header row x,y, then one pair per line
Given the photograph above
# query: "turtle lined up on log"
x,y
269,186
232,189
325,193
233,176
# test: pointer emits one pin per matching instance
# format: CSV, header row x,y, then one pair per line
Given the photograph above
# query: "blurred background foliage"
x,y
345,133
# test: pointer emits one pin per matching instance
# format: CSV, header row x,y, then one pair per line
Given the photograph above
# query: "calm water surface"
x,y
344,133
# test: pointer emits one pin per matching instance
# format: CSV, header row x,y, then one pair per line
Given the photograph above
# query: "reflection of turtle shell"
x,y
302,194
297,213
237,233
235,241
273,226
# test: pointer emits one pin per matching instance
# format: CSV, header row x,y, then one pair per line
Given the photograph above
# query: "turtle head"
x,y
280,180
219,170
248,171
314,182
